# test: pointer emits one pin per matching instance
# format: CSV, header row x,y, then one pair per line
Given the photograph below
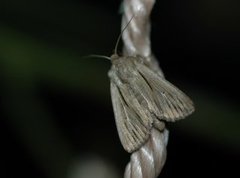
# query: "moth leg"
x,y
160,125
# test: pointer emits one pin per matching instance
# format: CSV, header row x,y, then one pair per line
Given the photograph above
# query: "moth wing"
x,y
143,93
132,129
172,102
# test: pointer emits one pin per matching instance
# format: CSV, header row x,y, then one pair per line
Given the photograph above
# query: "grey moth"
x,y
143,99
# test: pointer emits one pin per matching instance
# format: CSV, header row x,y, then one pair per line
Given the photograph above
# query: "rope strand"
x,y
148,161
136,38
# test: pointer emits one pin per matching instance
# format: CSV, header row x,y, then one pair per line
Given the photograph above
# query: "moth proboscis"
x,y
142,99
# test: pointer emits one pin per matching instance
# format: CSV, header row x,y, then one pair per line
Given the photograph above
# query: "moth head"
x,y
114,57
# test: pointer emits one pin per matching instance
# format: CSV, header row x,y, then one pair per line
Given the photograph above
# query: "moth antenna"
x,y
97,56
119,37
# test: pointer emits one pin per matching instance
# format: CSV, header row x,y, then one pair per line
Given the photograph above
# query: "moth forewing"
x,y
172,102
119,116
132,100
132,130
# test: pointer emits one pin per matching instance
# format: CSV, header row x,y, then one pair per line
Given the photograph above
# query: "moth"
x,y
142,99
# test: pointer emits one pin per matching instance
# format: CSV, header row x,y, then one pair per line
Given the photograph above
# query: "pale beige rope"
x,y
136,38
147,162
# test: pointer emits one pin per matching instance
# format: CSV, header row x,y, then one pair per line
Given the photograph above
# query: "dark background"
x,y
55,107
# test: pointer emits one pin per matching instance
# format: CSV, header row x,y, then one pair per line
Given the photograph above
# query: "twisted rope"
x,y
147,162
136,38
